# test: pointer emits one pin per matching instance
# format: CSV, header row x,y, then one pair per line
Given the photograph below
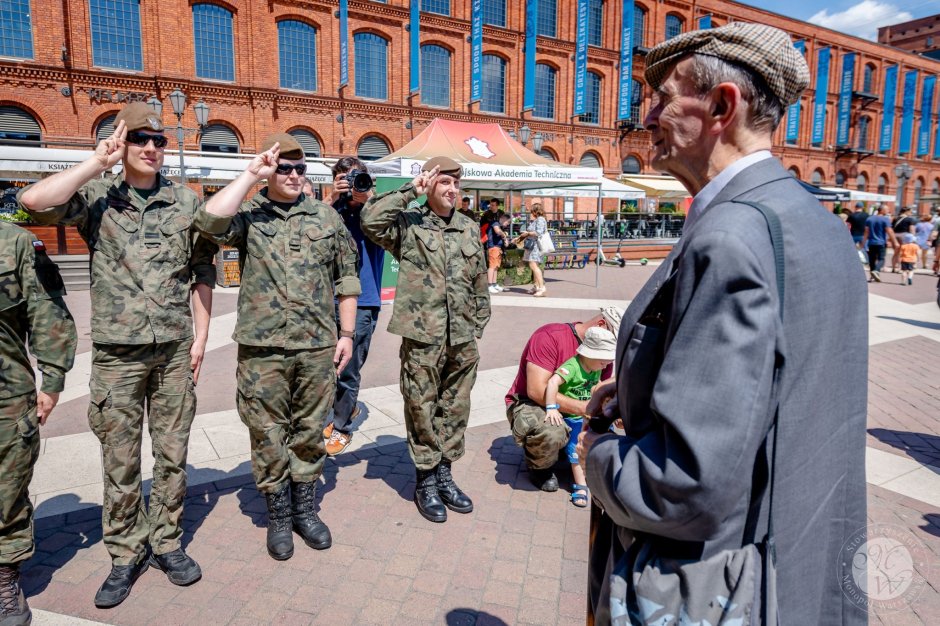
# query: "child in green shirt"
x,y
576,379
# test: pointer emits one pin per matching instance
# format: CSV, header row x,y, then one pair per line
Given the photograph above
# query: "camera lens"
x,y
362,182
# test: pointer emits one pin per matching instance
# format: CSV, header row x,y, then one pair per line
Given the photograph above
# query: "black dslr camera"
x,y
359,180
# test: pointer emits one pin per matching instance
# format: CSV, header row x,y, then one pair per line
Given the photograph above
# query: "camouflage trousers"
x,y
19,449
436,380
124,380
540,440
283,398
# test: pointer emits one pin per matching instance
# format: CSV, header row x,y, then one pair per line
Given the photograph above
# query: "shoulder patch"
x,y
564,371
38,245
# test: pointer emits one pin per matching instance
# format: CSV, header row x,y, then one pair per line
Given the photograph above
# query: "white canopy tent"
x,y
609,189
862,196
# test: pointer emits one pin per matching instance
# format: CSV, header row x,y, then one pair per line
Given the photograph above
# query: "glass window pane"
x,y
630,165
673,26
544,91
16,32
494,12
436,6
435,76
494,84
212,29
636,99
297,49
308,141
371,66
595,21
115,34
863,133
548,18
592,99
639,26
868,84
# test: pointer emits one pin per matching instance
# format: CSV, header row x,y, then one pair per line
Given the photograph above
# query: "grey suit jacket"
x,y
698,403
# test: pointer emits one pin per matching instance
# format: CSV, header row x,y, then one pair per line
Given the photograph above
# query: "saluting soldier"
x,y
441,307
31,311
296,255
146,261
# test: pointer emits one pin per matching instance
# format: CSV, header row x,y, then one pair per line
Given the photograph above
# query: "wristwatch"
x,y
351,334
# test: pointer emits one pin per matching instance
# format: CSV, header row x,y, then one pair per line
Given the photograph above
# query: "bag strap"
x,y
776,240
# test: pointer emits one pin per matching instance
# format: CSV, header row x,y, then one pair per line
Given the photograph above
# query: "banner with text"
x,y
414,59
926,116
626,63
343,43
793,111
907,112
936,139
886,138
705,22
580,58
531,39
845,99
476,50
822,93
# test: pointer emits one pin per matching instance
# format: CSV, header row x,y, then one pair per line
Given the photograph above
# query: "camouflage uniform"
x,y
31,309
145,258
293,263
541,440
441,307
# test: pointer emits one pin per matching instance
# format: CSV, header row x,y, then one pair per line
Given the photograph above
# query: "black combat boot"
x,y
453,498
544,479
179,567
14,611
426,497
117,586
280,537
306,521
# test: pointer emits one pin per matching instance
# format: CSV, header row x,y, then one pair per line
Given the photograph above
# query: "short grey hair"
x,y
764,108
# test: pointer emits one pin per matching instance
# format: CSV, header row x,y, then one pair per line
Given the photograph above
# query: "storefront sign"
x,y
926,116
580,59
845,99
626,62
907,112
793,112
415,54
476,50
343,43
531,36
887,121
822,94
106,95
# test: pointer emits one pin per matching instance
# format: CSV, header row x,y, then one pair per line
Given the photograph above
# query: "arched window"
x,y
219,138
544,91
840,178
592,99
105,128
868,79
371,66
882,184
636,99
818,177
18,128
297,52
16,30
494,84
595,22
308,141
794,171
673,26
548,18
548,154
861,182
631,165
372,148
115,34
435,76
436,6
864,123
494,12
639,26
590,159
935,188
215,51
918,192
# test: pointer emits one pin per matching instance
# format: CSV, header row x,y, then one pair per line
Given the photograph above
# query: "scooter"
x,y
617,259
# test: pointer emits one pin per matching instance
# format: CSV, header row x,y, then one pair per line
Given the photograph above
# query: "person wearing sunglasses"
x,y
296,256
148,265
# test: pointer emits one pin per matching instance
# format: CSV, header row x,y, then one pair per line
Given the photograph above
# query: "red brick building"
x,y
921,36
67,66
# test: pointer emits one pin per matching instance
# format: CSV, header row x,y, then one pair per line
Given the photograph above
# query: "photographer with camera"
x,y
352,187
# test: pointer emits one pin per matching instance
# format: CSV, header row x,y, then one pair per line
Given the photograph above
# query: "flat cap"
x,y
289,148
765,50
139,116
446,164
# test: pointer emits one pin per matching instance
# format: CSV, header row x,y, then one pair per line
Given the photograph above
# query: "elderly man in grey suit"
x,y
706,359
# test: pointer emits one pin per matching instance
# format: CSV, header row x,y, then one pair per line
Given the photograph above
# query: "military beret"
x,y
765,50
290,147
446,164
139,116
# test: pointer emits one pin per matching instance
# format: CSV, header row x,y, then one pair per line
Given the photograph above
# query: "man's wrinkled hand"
x,y
45,402
603,400
585,441
344,348
196,355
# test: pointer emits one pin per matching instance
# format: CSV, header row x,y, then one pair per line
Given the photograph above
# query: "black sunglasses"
x,y
140,139
285,168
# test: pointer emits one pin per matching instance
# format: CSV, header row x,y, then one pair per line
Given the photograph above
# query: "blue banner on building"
x,y
926,116
822,93
845,99
936,139
704,22
907,112
793,111
414,84
343,43
886,138
580,58
476,50
531,39
626,62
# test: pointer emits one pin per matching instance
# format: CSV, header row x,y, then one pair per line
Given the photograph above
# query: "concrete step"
x,y
74,271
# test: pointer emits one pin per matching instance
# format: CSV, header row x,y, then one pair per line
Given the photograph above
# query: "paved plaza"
x,y
519,558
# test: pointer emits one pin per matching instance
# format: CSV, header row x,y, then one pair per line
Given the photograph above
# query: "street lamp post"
x,y
903,173
178,101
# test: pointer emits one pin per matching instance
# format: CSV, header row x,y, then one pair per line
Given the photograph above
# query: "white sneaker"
x,y
499,288
493,289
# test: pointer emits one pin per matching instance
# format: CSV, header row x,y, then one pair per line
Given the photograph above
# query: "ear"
x,y
725,104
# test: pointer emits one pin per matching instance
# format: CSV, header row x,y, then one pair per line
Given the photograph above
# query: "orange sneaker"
x,y
328,431
338,442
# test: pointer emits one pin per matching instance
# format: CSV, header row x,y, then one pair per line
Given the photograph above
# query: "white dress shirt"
x,y
704,197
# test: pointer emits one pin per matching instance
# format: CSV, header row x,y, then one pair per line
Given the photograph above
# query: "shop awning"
x,y
662,187
609,189
861,196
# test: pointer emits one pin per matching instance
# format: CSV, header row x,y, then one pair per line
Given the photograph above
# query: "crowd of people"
x,y
910,238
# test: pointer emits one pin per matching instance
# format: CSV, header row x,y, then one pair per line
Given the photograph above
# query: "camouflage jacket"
x,y
442,293
31,309
293,264
145,257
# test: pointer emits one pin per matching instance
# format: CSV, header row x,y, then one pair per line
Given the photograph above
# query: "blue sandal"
x,y
579,496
